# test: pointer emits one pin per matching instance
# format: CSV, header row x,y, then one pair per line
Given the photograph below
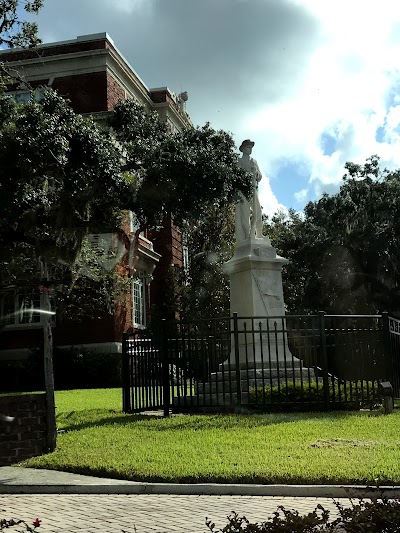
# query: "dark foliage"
x,y
344,251
376,516
73,369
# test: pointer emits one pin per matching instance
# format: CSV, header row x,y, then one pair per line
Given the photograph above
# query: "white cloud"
x,y
344,92
282,73
268,200
301,195
129,6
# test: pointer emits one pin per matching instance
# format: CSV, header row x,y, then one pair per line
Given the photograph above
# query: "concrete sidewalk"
x,y
78,504
17,480
144,513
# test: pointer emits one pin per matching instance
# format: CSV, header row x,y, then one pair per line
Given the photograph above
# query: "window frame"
x,y
10,317
139,296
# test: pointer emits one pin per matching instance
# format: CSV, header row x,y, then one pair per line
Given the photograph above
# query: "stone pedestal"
x,y
256,292
260,359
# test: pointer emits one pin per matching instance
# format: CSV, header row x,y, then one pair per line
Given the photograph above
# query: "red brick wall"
x,y
87,92
100,329
115,93
159,97
105,328
123,315
25,436
168,243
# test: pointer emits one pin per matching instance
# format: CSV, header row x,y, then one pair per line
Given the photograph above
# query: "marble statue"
x,y
248,214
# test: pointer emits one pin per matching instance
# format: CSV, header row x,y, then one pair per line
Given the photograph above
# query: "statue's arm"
x,y
256,170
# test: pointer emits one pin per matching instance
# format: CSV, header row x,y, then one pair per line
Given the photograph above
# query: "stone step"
x,y
220,386
266,364
259,372
207,400
262,375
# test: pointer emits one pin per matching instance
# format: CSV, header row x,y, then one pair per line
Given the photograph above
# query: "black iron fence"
x,y
394,349
269,363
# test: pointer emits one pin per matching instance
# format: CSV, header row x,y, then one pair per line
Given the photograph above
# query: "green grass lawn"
x,y
344,447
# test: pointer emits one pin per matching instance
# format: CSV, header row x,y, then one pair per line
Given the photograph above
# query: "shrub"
x,y
5,524
353,393
74,368
15,376
377,516
283,521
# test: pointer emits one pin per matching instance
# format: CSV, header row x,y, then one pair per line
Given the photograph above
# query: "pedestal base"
x,y
255,385
255,274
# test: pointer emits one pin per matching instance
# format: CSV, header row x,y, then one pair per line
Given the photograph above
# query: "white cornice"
x,y
62,65
149,253
79,39
127,77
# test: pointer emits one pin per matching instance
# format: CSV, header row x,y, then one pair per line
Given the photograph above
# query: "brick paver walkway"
x,y
104,513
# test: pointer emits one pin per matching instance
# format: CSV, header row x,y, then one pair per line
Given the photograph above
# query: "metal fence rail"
x,y
142,374
269,363
394,349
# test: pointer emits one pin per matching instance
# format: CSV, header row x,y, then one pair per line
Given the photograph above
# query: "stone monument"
x,y
261,355
255,271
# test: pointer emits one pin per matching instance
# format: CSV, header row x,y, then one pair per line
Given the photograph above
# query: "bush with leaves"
x,y
344,250
13,523
74,368
376,516
354,393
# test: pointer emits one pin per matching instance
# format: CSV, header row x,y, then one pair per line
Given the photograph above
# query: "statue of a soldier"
x,y
248,215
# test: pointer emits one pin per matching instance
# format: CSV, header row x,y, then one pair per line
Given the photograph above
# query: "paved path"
x,y
148,513
83,504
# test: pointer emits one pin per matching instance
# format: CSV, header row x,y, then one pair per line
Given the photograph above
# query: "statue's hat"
x,y
246,142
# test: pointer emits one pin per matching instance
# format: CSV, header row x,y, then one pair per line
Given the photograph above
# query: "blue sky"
x,y
314,83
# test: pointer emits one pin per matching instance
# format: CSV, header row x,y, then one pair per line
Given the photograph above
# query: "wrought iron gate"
x,y
394,336
270,363
144,381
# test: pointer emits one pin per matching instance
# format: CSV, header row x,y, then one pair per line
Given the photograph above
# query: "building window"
x,y
139,301
25,308
185,254
24,96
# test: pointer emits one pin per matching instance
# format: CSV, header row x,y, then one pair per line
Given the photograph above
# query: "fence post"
x,y
387,345
237,364
324,357
165,368
126,382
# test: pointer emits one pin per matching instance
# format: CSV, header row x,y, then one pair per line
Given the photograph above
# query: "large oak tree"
x,y
344,250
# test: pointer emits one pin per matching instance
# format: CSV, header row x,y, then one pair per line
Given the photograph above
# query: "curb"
x,y
209,489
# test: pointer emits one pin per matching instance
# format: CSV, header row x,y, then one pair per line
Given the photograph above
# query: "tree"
x,y
201,290
60,180
344,252
14,31
193,175
181,173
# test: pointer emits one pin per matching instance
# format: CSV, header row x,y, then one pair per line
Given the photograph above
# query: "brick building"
x,y
91,73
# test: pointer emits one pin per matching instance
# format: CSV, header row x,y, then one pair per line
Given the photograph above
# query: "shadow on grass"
x,y
78,420
120,419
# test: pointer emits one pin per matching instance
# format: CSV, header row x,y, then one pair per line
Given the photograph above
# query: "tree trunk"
x,y
48,366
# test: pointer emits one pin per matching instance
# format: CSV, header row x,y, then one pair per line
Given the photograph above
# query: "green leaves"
x,y
345,253
13,30
60,178
177,173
